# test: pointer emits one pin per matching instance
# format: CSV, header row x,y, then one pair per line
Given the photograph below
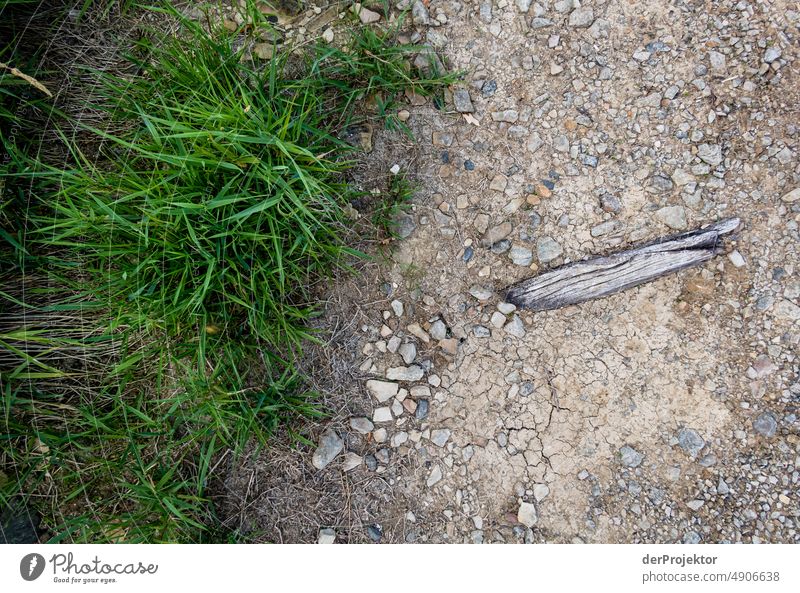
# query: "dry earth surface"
x,y
667,413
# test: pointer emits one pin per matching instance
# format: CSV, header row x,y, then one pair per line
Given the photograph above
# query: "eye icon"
x,y
31,566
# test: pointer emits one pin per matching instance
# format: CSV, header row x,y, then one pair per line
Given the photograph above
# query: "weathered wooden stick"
x,y
601,276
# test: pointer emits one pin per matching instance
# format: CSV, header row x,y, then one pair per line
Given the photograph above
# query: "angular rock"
x,y
462,100
792,196
710,153
362,425
408,352
366,15
382,415
690,441
521,256
351,461
415,330
507,115
681,177
515,327
480,292
435,476
330,445
673,216
498,319
397,307
326,536
419,14
581,17
496,233
410,373
440,436
766,424
527,514
548,249
438,330
630,457
382,390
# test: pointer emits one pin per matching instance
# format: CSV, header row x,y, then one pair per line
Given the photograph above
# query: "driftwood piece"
x,y
601,276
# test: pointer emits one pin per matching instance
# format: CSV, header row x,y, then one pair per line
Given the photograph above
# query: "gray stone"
x,y
404,225
717,60
540,23
524,5
435,476
610,203
419,14
527,514
561,143
690,441
439,436
691,537
408,352
792,196
397,308
365,15
681,177
498,319
351,461
772,54
362,425
438,330
548,249
564,6
515,327
411,373
485,12
661,183
326,536
481,331
330,445
765,424
382,390
506,308
496,233
501,247
581,17
507,115
603,228
630,457
673,216
481,293
521,256
695,504
462,101
422,409
710,153
383,414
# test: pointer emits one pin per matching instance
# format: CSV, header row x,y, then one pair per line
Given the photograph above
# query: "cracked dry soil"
x,y
666,413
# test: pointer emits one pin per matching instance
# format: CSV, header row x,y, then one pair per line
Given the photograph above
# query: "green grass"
x,y
156,284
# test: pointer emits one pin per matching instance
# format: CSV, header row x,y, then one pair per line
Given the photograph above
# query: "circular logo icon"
x,y
31,566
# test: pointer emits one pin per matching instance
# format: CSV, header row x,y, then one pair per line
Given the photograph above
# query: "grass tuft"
x,y
157,294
